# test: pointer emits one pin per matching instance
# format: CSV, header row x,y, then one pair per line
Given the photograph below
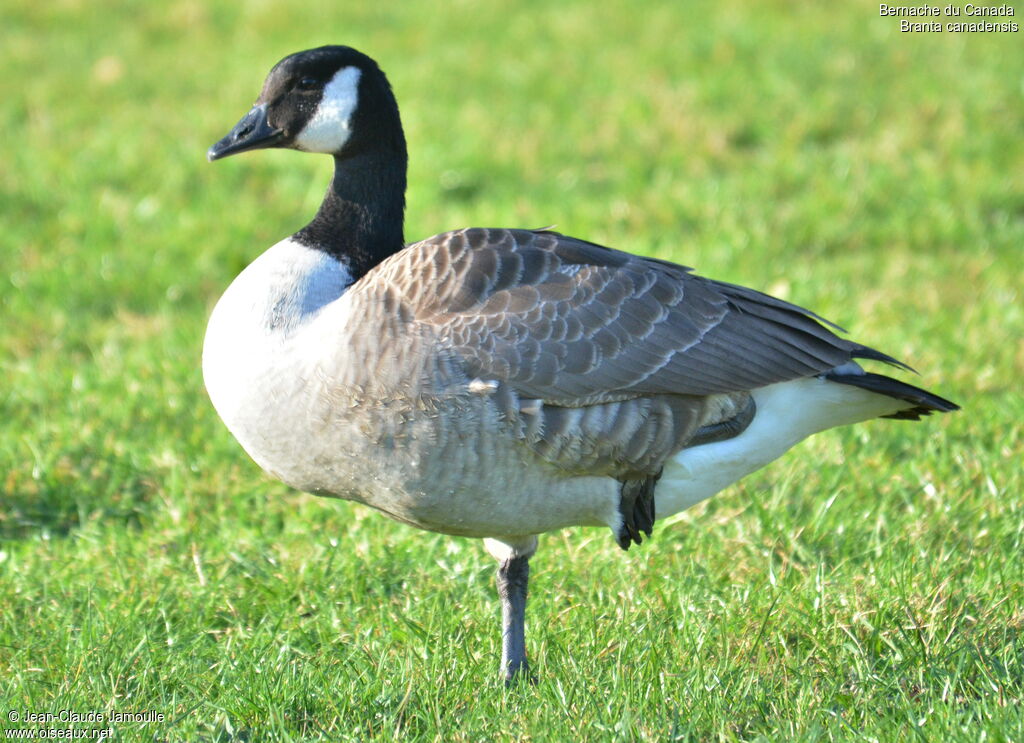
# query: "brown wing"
x,y
604,362
573,323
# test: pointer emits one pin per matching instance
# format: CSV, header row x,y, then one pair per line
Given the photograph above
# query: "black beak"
x,y
251,133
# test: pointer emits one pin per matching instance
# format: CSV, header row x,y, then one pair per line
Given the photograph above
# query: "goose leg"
x,y
513,576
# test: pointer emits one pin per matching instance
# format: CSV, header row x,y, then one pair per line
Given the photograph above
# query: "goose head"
x,y
332,100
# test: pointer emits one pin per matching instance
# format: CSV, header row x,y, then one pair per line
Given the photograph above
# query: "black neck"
x,y
360,219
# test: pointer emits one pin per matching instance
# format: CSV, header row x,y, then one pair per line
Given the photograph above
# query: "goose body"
x,y
326,392
501,383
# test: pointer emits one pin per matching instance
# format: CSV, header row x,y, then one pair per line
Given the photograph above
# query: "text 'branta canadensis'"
x,y
500,383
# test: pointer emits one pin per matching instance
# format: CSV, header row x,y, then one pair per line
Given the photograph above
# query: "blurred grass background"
x,y
866,587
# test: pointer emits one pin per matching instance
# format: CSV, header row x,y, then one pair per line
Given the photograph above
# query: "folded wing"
x,y
606,360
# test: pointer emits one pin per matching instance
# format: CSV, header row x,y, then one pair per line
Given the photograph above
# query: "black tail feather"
x,y
866,352
923,401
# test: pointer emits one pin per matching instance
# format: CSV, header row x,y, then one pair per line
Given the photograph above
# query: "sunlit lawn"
x,y
866,587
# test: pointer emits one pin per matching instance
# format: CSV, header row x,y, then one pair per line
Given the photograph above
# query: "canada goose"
x,y
500,383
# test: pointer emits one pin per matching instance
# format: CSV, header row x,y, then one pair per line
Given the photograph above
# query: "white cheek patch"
x,y
329,128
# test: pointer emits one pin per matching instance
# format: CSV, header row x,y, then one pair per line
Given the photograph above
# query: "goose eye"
x,y
308,83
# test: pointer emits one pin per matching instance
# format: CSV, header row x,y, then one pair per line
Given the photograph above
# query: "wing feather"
x,y
564,319
643,350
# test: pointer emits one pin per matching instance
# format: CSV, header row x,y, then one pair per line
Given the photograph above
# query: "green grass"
x,y
866,587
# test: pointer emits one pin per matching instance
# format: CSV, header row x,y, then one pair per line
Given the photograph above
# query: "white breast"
x,y
258,352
